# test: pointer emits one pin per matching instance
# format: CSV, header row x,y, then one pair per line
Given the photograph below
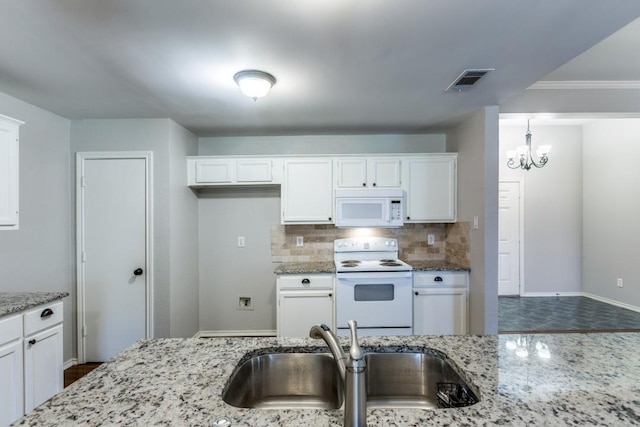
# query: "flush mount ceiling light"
x,y
254,83
523,153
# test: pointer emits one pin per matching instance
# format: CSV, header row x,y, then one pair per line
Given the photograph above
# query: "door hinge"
x,y
84,331
83,182
83,258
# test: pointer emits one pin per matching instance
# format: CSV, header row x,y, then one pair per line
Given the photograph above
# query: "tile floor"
x,y
563,314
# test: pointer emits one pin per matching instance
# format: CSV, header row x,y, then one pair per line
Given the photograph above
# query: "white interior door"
x,y
113,236
509,237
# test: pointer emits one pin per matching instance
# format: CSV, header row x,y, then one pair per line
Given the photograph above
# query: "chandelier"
x,y
523,153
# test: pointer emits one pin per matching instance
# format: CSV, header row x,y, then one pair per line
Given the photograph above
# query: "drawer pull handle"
x,y
416,293
330,295
46,312
306,281
32,342
438,279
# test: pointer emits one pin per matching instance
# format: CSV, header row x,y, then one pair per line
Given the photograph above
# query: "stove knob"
x,y
386,243
393,243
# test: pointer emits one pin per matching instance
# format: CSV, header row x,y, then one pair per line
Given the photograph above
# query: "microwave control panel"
x,y
396,210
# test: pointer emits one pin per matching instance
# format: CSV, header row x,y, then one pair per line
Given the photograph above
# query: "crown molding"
x,y
585,84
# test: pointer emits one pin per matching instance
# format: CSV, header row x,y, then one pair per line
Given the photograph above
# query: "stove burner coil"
x,y
351,261
390,264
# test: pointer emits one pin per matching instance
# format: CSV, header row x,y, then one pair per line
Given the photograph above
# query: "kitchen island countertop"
x,y
13,302
564,379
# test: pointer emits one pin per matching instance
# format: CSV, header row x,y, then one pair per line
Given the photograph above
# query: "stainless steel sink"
x,y
286,380
414,380
311,380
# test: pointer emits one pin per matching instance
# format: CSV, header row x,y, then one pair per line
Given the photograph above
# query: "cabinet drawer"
x,y
42,318
437,279
10,329
305,281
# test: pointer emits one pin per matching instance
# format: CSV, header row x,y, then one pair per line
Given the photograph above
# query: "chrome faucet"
x,y
352,372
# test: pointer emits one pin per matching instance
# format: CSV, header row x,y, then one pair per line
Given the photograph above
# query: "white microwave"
x,y
370,207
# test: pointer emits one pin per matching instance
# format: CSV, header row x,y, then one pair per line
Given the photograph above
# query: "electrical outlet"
x,y
475,223
299,240
241,241
431,239
245,303
619,283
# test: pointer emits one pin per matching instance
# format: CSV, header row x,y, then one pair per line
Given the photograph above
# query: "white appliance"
x,y
370,207
373,287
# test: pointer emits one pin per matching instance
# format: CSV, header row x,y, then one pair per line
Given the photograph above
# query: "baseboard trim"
x,y
218,334
612,302
552,294
69,363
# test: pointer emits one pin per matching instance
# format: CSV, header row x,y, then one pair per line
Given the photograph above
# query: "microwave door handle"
x,y
389,212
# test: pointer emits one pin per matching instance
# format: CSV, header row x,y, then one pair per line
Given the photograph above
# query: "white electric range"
x,y
373,287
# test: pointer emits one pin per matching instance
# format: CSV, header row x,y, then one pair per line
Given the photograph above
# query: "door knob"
x,y
138,272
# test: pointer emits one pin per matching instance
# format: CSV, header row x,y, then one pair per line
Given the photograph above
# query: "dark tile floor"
x,y
563,314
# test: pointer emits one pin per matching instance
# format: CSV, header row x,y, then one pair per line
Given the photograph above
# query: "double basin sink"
x,y
292,378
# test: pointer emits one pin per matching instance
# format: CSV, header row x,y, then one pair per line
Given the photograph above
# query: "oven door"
x,y
376,300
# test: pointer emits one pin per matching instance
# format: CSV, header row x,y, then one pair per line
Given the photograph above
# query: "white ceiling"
x,y
343,66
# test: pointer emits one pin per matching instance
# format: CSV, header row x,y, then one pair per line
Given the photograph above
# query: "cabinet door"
x,y
254,170
299,310
431,189
215,171
351,173
307,191
384,173
11,388
440,311
8,173
43,372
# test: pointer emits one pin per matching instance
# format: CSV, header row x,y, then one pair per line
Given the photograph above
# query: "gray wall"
x,y
611,209
37,256
183,251
475,139
323,144
156,135
227,271
552,207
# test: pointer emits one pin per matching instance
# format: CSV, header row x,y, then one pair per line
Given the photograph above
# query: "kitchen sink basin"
x,y
311,380
414,380
286,380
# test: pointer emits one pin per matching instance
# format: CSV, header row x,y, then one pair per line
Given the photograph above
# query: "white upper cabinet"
x,y
307,191
9,173
368,172
431,186
215,171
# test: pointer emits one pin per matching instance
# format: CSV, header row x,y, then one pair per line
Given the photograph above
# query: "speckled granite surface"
x,y
436,266
13,302
305,267
587,379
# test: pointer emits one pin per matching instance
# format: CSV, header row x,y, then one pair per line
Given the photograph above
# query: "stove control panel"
x,y
360,244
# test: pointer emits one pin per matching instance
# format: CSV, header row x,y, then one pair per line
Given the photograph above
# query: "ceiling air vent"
x,y
467,79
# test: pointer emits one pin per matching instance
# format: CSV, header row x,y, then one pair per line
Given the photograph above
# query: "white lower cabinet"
x,y
43,373
31,365
440,303
11,371
304,301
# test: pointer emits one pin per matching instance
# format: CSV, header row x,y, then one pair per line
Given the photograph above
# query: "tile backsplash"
x,y
451,242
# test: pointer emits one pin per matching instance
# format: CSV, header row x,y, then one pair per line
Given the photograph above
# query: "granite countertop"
x,y
436,266
329,267
13,302
305,267
565,379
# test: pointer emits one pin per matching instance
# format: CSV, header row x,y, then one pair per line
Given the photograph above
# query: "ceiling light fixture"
x,y
524,154
254,83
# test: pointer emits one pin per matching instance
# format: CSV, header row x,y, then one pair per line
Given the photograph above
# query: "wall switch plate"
x,y
244,303
431,239
241,241
299,240
619,283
